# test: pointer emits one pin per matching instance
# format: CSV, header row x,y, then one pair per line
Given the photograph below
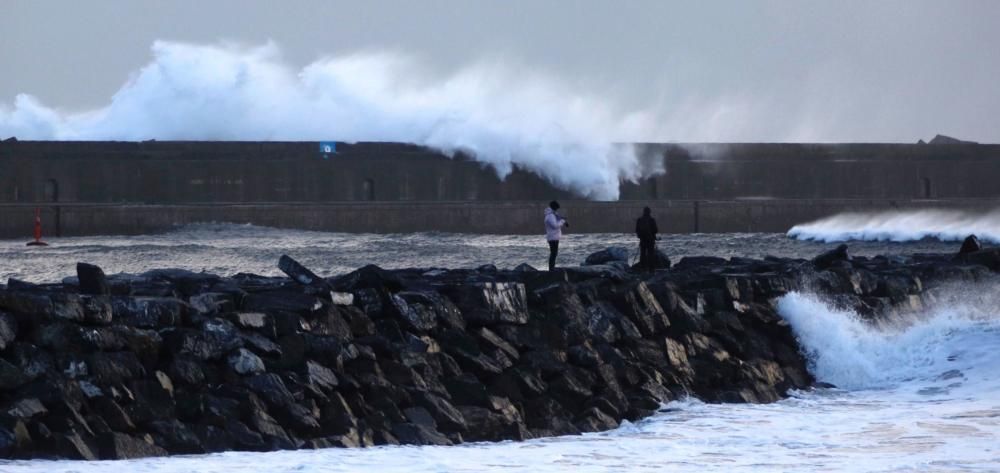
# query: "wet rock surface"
x,y
175,362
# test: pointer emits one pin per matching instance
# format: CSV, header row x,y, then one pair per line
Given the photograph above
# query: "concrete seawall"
x,y
267,172
674,216
88,188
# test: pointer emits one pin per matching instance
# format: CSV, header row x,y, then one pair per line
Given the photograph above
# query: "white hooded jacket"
x,y
553,225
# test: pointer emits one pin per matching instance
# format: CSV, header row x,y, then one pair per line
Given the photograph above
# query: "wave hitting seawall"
x,y
500,116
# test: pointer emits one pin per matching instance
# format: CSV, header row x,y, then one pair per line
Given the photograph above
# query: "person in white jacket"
x,y
554,224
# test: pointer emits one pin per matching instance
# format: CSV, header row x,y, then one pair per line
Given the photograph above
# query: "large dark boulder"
x,y
698,262
662,260
118,446
417,434
499,420
269,428
827,259
65,337
14,439
444,413
176,437
244,437
27,306
320,377
301,274
186,370
271,388
595,420
112,414
488,303
368,277
148,312
92,279
206,344
26,409
74,446
214,438
332,322
638,303
607,255
283,300
245,362
8,330
34,306
616,271
430,304
989,258
115,367
969,245
185,283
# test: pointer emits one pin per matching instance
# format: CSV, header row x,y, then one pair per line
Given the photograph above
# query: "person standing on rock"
x,y
553,231
645,229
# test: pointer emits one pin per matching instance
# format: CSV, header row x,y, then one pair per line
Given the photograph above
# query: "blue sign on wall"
x,y
327,148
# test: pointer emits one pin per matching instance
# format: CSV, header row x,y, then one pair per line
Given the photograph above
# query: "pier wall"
x,y
211,172
86,188
16,220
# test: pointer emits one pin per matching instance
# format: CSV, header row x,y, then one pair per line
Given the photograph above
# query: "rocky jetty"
x,y
175,362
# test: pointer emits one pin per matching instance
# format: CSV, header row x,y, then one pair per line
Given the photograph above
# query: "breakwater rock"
x,y
170,361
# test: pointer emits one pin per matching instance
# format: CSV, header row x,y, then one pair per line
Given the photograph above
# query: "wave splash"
x,y
502,116
955,340
899,226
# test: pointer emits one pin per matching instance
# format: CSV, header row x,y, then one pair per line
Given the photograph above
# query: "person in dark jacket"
x,y
645,229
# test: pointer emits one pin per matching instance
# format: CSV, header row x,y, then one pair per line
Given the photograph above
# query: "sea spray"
x,y
945,225
956,337
500,115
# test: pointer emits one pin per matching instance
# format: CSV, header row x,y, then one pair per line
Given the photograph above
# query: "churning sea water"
x,y
920,395
227,249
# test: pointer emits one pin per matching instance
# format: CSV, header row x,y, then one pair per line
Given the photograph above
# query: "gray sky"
x,y
795,70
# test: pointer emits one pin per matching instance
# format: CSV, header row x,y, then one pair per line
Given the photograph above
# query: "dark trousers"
x,y
647,254
553,251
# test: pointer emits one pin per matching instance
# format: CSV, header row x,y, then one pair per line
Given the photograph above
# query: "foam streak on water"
x,y
899,226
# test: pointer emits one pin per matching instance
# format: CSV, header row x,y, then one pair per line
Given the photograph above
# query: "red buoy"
x,y
38,230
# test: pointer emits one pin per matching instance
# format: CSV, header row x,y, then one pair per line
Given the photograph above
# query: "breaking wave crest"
x,y
957,339
500,115
945,225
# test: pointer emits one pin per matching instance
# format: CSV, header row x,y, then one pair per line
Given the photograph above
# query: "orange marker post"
x,y
38,230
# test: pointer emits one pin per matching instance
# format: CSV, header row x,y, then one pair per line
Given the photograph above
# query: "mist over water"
x,y
501,115
901,226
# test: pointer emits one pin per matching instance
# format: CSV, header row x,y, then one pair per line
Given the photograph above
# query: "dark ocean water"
x,y
227,249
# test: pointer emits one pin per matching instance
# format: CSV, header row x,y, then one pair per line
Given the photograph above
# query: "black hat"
x,y
554,205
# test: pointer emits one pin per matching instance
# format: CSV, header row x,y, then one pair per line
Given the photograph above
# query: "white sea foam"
x,y
502,115
960,333
947,225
